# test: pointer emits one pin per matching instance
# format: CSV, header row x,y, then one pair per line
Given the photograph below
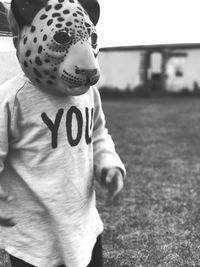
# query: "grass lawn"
x,y
156,219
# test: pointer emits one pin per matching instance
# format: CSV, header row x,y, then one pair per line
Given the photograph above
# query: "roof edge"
x,y
151,47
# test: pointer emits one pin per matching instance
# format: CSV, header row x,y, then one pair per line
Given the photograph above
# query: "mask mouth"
x,y
92,81
77,81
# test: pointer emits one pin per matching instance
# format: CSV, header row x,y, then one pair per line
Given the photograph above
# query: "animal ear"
x,y
24,11
93,9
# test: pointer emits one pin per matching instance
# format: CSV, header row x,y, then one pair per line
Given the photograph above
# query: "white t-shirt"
x,y
49,146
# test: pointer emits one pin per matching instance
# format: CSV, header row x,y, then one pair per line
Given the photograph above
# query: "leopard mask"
x,y
57,43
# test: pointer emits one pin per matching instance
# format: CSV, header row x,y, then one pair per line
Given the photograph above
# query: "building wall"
x,y
6,43
119,69
9,66
190,65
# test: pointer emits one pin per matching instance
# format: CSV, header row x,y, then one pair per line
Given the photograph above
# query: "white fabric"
x,y
54,198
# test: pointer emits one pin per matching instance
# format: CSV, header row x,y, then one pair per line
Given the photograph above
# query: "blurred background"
x,y
150,78
146,47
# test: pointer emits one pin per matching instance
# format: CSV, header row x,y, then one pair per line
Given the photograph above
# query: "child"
x,y
53,138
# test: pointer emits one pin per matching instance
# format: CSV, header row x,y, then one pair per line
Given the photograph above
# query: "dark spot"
x,y
56,15
48,7
69,23
47,60
87,24
55,69
49,22
25,64
59,25
35,40
28,53
49,82
89,31
58,6
75,15
80,13
44,37
61,1
38,61
25,40
37,80
71,1
33,28
44,16
46,72
61,19
53,77
37,73
66,11
40,49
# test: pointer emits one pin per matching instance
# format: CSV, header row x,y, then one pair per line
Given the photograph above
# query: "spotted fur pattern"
x,y
58,51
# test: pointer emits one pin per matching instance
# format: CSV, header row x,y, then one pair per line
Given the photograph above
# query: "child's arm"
x,y
109,169
5,118
113,180
4,220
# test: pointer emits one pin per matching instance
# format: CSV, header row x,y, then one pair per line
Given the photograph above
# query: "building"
x,y
169,67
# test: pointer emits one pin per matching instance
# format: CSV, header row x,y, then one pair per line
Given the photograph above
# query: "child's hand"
x,y
4,220
113,180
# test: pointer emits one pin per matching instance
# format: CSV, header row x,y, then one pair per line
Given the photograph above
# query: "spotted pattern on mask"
x,y
47,41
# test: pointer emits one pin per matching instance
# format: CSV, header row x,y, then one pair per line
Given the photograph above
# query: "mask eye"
x,y
62,38
94,39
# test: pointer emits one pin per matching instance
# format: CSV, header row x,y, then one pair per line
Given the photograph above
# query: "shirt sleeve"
x,y
105,155
7,124
4,131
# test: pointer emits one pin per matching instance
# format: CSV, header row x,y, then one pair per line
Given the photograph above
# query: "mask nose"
x,y
91,75
80,68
